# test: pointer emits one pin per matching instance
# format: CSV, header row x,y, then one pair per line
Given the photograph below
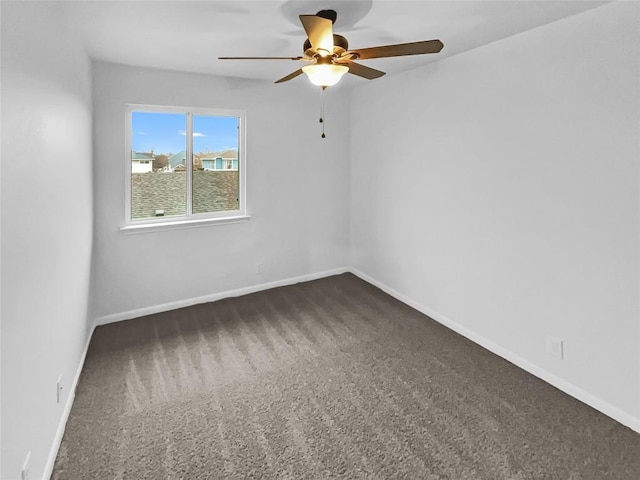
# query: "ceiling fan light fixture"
x,y
325,75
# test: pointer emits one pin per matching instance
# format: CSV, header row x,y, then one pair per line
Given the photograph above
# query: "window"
x,y
179,148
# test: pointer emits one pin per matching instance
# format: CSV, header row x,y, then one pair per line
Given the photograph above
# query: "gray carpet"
x,y
325,379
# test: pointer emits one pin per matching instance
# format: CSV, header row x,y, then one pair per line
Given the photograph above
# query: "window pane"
x,y
215,163
158,164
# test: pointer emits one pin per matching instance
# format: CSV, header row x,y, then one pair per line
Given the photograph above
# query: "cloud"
x,y
195,134
142,133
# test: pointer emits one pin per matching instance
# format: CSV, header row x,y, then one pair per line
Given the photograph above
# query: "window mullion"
x,y
189,164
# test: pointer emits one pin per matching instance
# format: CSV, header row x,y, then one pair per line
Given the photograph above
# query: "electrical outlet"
x,y
259,268
555,347
24,473
59,389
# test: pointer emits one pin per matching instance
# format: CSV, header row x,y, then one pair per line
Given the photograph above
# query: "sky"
x,y
166,132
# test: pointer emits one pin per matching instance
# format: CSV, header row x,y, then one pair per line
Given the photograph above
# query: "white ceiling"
x,y
190,35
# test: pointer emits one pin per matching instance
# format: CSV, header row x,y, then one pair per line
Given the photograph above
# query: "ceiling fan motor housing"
x,y
328,14
340,45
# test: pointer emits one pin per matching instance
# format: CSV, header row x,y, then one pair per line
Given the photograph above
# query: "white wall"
x,y
297,189
511,209
46,226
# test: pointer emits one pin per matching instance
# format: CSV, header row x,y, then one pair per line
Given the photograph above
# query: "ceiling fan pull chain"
x,y
322,111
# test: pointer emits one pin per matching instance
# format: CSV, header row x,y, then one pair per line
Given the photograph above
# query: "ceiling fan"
x,y
331,58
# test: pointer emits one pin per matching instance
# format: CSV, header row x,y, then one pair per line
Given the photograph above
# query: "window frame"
x,y
190,219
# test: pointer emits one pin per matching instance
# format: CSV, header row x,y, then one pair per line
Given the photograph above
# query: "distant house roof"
x,y
177,159
141,156
231,154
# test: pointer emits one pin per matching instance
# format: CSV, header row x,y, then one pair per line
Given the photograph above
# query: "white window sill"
x,y
132,229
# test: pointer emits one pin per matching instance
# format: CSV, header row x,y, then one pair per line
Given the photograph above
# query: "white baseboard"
x,y
165,307
558,382
48,468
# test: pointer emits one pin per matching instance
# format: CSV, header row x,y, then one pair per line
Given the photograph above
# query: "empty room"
x,y
320,239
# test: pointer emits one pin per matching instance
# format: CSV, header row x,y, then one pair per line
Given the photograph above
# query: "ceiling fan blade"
x,y
320,33
263,58
290,76
364,72
400,49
